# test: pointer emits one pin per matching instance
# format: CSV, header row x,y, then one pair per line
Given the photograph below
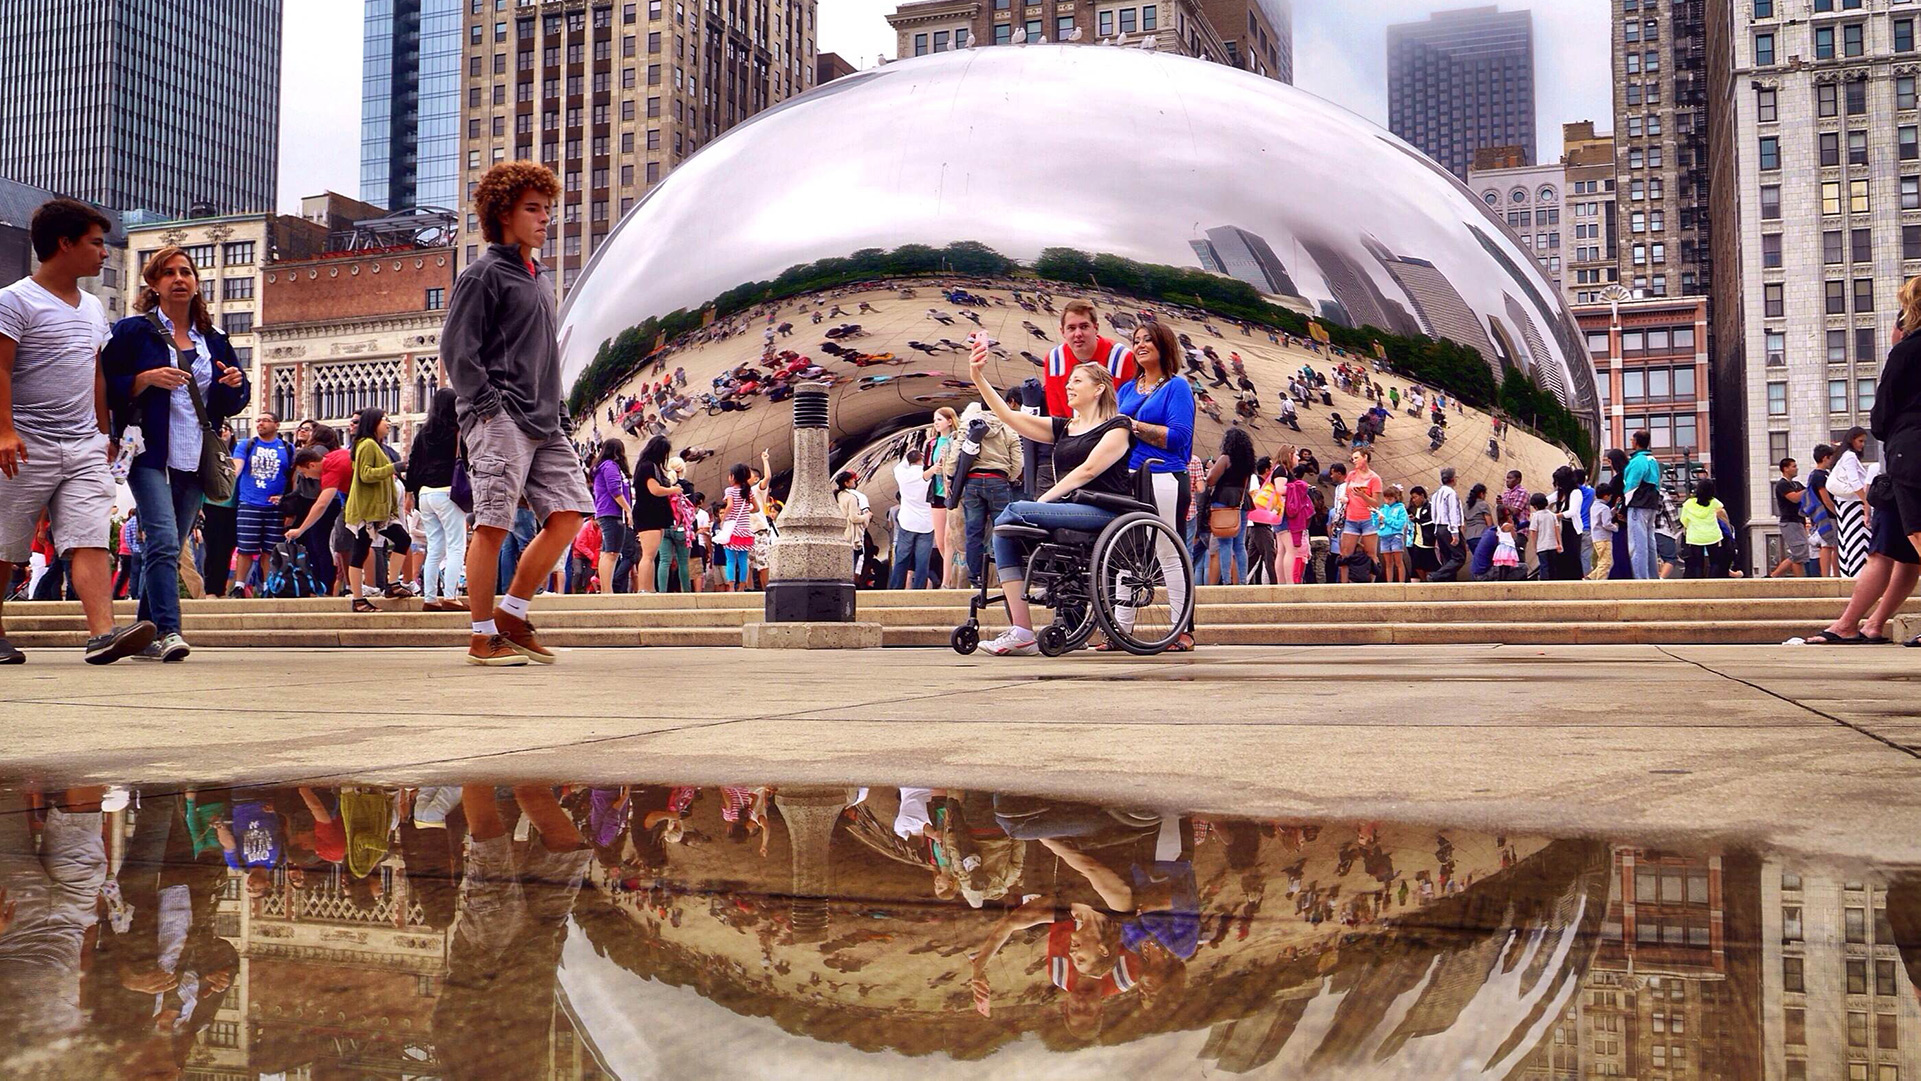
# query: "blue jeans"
x,y
914,548
169,502
1641,551
1232,553
1010,555
516,541
982,501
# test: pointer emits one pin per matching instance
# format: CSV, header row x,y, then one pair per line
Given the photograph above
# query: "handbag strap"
x,y
174,350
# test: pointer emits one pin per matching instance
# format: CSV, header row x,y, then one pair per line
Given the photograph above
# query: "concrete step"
x,y
197,623
1679,632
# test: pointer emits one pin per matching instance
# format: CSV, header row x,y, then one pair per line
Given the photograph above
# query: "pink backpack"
x,y
683,509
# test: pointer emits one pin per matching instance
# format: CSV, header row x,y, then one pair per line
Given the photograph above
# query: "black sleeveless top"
x,y
1071,451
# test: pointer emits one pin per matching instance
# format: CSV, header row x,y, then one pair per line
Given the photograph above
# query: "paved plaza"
x,y
1807,751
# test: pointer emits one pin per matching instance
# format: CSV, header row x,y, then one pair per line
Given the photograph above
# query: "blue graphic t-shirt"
x,y
264,468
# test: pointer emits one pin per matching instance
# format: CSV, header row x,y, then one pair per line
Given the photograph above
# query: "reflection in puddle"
x,y
659,931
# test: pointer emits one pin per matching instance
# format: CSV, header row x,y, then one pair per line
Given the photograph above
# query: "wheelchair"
x,y
1112,579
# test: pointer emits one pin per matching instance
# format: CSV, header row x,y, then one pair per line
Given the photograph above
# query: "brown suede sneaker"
x,y
519,635
493,651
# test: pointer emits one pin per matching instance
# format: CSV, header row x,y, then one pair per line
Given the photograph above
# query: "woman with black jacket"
x,y
430,481
170,372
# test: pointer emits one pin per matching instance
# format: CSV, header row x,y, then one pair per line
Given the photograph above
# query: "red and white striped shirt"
x,y
1116,357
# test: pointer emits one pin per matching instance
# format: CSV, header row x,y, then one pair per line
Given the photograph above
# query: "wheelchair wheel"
x,y
1053,640
1062,583
965,639
1135,561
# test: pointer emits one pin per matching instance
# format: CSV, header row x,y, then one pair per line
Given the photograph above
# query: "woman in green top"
x,y
371,505
1701,517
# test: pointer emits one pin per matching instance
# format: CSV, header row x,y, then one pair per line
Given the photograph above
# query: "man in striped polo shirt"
x,y
1081,343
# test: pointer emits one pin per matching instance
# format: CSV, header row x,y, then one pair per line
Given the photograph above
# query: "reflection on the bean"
x,y
648,930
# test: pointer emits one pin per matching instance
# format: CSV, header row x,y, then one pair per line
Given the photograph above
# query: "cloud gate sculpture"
x,y
869,226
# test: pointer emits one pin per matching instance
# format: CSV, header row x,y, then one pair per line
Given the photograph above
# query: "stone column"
x,y
810,574
810,812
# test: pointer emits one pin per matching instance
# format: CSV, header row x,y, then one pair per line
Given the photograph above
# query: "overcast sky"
x,y
1340,53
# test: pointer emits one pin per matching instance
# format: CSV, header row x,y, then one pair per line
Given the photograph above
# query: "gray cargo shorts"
x,y
70,480
1794,542
506,465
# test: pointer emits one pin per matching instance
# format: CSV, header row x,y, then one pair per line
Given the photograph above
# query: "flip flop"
x,y
1829,638
1913,643
1875,640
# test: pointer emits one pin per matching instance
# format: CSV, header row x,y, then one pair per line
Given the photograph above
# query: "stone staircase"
x,y
1519,613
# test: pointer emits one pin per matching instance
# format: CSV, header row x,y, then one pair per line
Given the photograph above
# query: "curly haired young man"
x,y
502,357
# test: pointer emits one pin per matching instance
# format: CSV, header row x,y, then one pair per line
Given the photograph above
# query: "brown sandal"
x,y
1183,644
362,604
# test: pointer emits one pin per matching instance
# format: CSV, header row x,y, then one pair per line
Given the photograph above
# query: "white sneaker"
x,y
1014,642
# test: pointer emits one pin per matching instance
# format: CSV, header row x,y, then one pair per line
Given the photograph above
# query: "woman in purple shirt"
x,y
613,501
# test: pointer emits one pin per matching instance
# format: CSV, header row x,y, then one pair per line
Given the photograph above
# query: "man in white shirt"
x,y
1447,529
54,448
913,525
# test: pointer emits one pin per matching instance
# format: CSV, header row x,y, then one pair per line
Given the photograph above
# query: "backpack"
x,y
291,579
1811,504
683,509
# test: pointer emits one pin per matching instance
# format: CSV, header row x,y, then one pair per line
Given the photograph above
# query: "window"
x,y
1886,1037
1831,247
1864,294
1837,346
1770,152
1776,347
1864,350
1764,9
1763,52
1904,92
1856,95
1830,197
1771,202
237,253
236,288
1904,35
1773,303
1853,37
1911,242
1824,43
1827,100
1857,1029
237,323
1862,245
1883,970
1837,298
1857,148
920,44
1767,107
1855,924
1829,143
1838,403
1908,139
1795,1026
1771,250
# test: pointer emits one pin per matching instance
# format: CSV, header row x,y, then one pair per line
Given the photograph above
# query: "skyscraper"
x,y
1253,35
1237,253
143,104
410,104
1661,147
613,96
1463,80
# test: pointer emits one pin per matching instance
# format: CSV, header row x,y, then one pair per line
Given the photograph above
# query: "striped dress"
x,y
742,518
1851,523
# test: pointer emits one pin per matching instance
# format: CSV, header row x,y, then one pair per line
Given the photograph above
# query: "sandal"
x,y
1829,638
1913,643
1184,644
362,604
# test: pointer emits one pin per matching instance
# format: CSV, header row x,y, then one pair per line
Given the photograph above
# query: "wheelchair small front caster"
x,y
965,639
1053,640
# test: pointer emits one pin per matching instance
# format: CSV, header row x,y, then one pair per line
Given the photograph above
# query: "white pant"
x,y
446,528
1167,495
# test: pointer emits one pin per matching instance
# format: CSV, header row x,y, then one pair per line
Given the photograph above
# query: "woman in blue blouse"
x,y
1162,405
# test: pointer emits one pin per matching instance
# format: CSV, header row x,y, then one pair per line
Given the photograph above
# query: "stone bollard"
x,y
810,813
810,572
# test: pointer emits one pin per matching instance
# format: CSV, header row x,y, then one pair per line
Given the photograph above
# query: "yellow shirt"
x,y
1702,523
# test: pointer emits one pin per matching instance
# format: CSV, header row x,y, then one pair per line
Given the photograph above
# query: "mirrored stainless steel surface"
x,y
1156,159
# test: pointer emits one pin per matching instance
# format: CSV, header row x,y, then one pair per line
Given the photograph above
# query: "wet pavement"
x,y
671,930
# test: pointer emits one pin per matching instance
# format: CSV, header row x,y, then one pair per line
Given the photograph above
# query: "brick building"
x,y
346,331
1254,35
1651,365
613,96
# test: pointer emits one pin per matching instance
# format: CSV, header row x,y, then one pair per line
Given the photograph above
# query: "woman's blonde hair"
x,y
947,411
149,297
1106,404
1910,297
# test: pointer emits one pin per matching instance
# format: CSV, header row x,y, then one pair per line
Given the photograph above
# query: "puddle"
x,y
662,931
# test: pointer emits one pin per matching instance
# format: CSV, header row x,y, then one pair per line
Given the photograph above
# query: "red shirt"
x,y
1117,358
337,470
1063,974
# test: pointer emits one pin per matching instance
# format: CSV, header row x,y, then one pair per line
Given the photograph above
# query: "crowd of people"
x,y
493,490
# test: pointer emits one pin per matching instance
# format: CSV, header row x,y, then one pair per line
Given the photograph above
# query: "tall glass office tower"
x,y
143,104
410,104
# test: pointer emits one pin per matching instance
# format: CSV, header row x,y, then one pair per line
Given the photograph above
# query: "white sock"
x,y
514,606
486,627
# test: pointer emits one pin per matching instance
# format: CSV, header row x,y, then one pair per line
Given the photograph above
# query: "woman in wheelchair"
x,y
1090,457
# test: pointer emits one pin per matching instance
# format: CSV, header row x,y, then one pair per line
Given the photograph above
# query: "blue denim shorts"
x,y
1359,529
1393,544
